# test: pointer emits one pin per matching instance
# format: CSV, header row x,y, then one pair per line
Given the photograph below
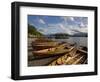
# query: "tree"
x,y
33,31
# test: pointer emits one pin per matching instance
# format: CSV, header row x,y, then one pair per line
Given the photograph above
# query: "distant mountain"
x,y
80,34
65,35
58,35
33,31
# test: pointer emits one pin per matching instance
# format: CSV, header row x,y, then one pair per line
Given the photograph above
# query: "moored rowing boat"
x,y
78,57
58,50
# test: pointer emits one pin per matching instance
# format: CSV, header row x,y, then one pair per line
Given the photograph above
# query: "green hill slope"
x,y
33,31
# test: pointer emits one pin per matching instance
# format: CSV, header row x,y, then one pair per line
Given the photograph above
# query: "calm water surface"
x,y
81,41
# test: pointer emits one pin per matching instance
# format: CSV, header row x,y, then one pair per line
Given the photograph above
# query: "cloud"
x,y
42,30
67,18
41,21
69,25
32,24
75,24
66,30
63,28
78,29
82,24
60,28
79,21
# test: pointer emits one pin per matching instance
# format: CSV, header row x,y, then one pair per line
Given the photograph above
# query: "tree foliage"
x,y
33,31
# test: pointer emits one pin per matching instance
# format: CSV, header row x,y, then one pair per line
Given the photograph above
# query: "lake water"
x,y
81,41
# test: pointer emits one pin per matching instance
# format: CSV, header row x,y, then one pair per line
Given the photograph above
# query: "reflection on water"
x,y
81,41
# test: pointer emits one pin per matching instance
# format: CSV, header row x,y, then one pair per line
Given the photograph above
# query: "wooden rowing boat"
x,y
44,45
58,50
74,57
39,40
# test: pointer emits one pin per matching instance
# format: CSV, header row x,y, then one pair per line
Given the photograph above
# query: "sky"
x,y
59,24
